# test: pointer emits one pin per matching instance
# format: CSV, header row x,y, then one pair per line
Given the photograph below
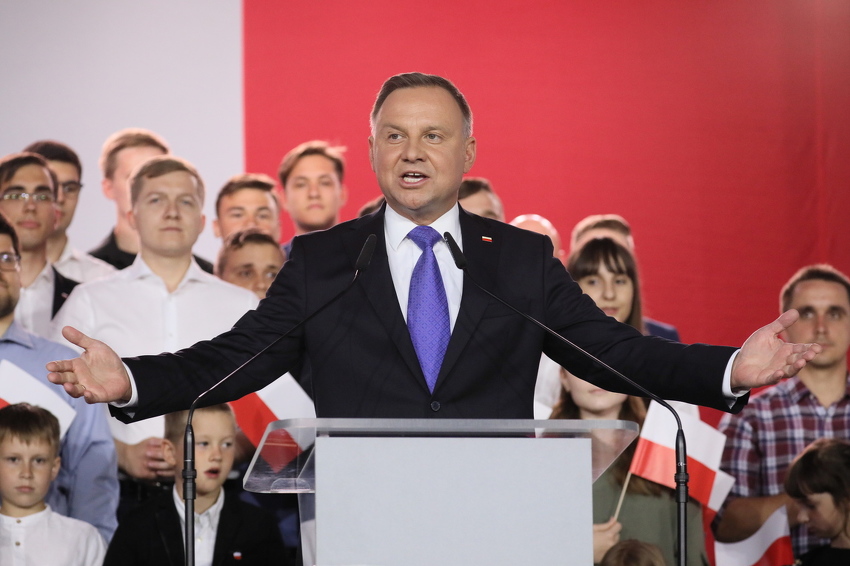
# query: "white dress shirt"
x,y
133,312
206,527
49,538
35,307
80,266
403,253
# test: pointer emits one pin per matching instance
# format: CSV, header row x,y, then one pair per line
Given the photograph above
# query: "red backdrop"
x,y
720,130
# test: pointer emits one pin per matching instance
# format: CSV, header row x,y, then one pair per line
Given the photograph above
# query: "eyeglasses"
x,y
37,198
9,261
71,187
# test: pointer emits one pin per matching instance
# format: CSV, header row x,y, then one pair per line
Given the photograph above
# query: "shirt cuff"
x,y
731,396
134,394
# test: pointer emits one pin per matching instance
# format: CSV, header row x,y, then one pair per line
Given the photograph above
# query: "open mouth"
x,y
212,473
413,178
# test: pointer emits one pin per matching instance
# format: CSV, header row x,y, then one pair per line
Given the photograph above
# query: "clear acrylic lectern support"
x,y
421,492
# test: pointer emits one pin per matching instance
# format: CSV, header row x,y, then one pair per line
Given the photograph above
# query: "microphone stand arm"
x,y
189,472
681,475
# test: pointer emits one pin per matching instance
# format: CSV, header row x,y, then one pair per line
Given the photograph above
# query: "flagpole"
x,y
622,495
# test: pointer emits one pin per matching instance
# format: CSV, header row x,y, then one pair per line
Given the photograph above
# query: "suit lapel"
x,y
481,248
377,284
225,536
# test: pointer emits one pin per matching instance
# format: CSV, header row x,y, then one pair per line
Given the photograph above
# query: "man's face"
x,y
118,187
253,266
167,215
313,194
824,319
26,471
69,192
33,219
419,153
10,282
247,208
484,203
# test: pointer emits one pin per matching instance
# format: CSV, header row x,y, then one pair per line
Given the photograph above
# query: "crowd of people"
x,y
142,292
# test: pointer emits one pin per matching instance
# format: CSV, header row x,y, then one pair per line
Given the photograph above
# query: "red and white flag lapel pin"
x,y
487,239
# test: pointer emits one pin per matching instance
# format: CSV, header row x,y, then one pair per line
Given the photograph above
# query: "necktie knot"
x,y
424,237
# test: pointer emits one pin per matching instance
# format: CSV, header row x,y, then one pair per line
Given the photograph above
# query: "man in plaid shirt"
x,y
776,425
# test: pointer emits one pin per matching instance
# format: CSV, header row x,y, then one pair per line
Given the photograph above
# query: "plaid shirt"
x,y
763,439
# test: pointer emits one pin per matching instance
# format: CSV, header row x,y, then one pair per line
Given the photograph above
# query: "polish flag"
x,y
655,455
282,399
769,546
18,386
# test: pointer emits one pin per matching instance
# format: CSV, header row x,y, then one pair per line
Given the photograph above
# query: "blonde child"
x,y
227,530
30,532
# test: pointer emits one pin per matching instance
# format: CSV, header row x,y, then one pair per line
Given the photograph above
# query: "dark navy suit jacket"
x,y
362,359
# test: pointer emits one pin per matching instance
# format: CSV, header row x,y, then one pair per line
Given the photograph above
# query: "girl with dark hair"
x,y
607,273
819,482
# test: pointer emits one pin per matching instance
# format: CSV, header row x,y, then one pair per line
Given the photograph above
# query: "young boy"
x,y
227,531
30,533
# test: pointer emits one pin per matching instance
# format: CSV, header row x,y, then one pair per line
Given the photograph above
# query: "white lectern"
x,y
422,492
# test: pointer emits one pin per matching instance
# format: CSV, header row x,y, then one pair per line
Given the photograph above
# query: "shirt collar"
x,y
798,391
213,511
140,270
16,333
396,226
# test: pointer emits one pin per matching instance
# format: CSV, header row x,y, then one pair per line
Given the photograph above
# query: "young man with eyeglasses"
x,y
28,191
69,261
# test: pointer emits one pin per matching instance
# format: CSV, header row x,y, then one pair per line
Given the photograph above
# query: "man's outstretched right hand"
x,y
98,375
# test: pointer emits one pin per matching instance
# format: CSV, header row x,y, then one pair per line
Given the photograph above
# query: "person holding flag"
x,y
624,506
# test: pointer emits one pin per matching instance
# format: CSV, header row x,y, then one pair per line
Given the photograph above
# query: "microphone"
x,y
681,475
189,472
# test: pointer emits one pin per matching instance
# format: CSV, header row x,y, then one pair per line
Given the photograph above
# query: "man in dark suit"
x,y
364,361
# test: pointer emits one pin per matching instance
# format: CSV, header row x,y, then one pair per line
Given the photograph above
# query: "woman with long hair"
x,y
607,273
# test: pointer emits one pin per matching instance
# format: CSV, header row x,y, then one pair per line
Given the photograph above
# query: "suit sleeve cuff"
x,y
731,396
134,395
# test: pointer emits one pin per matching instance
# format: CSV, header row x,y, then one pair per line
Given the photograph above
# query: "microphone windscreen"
x,y
457,255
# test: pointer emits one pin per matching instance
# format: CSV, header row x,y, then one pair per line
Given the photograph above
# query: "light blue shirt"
x,y
87,485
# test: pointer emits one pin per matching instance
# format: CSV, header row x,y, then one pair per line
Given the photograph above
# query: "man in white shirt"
x,y
163,301
28,190
69,261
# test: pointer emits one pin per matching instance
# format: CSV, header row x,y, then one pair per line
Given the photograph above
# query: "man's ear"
x,y
131,219
371,156
106,187
216,229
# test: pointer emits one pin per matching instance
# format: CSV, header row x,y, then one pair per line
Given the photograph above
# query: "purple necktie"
x,y
427,307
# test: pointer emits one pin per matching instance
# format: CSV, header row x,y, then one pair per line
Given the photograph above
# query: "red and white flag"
x,y
769,546
655,454
18,386
282,399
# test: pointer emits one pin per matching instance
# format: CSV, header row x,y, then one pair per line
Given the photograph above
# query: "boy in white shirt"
x,y
30,532
226,529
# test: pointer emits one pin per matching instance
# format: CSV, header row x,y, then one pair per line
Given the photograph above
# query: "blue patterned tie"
x,y
427,307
